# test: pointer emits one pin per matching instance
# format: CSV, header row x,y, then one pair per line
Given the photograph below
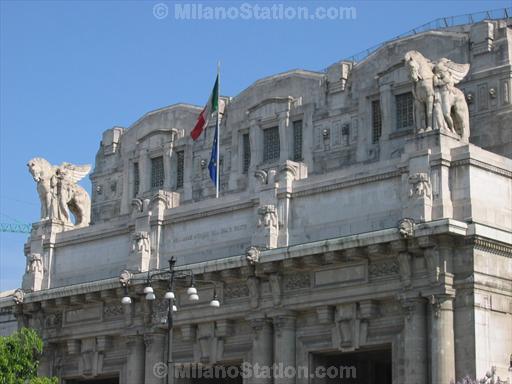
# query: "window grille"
x,y
297,140
157,172
180,162
246,148
376,121
271,145
136,179
404,117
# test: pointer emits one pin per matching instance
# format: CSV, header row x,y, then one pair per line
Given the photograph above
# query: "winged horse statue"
x,y
59,192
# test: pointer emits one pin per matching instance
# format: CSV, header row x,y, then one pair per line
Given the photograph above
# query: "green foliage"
x,y
19,358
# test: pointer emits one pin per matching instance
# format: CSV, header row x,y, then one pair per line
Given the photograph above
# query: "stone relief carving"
x,y
141,244
113,310
383,268
404,261
276,286
267,217
209,348
420,186
438,103
406,228
59,192
33,278
53,320
235,291
350,330
297,281
252,255
18,296
492,378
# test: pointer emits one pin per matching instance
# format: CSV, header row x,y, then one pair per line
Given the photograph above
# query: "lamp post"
x,y
172,276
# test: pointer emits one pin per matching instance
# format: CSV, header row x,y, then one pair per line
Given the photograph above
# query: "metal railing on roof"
x,y
439,24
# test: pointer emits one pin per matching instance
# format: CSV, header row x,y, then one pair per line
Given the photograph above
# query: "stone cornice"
x,y
314,189
480,164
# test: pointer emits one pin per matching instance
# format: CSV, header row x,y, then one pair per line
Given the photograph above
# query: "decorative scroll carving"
x,y
59,192
438,103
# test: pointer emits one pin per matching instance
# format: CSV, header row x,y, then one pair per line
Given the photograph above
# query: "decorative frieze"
x,y
53,320
113,310
235,291
383,268
297,281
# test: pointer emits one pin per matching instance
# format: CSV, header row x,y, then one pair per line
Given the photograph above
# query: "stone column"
x,y
144,172
415,341
168,152
255,144
284,343
135,360
262,351
442,339
155,361
284,122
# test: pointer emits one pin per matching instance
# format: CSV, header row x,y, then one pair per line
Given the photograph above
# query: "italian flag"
x,y
211,107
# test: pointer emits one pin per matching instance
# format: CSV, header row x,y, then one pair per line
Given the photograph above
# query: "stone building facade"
x,y
352,230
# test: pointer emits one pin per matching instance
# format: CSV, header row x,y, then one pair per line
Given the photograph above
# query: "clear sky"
x,y
71,69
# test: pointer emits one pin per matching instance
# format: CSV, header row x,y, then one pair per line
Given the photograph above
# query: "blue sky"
x,y
71,69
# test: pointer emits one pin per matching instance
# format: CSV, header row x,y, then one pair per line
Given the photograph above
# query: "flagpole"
x,y
217,174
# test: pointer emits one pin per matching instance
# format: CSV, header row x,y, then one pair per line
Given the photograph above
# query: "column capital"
x,y
440,303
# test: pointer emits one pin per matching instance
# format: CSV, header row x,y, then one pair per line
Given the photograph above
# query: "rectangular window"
x,y
246,148
271,146
157,172
376,121
297,140
136,179
404,112
180,163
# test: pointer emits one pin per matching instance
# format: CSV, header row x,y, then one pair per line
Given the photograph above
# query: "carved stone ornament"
x,y
252,255
124,278
18,296
141,243
420,186
33,278
492,378
59,192
406,228
438,103
267,216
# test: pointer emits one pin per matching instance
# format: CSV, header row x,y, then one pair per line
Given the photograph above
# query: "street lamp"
x,y
172,276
